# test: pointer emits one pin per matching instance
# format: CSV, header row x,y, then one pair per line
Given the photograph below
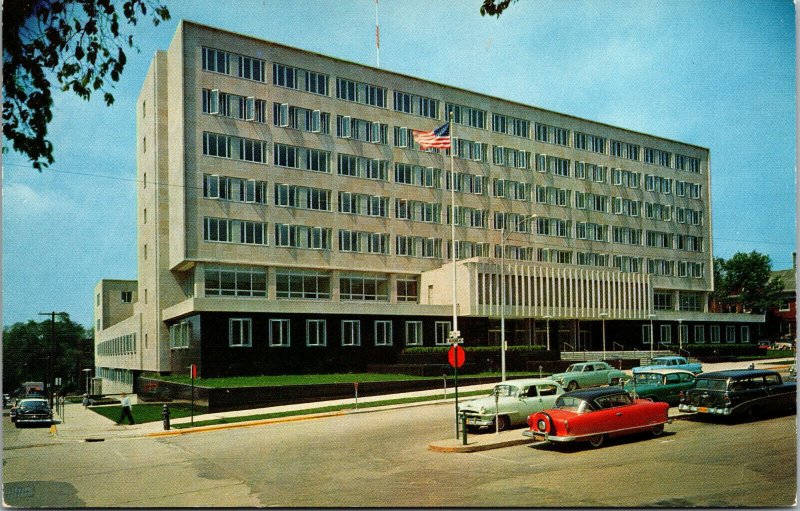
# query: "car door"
x,y
616,413
589,376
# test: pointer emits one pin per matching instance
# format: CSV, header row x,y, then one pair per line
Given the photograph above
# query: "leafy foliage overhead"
x,y
77,43
747,279
495,7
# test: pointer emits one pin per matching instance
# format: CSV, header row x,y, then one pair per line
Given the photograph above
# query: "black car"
x,y
740,392
32,411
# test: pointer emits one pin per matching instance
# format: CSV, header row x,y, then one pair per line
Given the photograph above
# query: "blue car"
x,y
671,362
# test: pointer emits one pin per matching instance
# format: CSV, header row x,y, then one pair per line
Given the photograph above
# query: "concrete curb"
x,y
440,447
244,424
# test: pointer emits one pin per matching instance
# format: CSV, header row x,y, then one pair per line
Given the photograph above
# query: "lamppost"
x,y
547,318
88,372
604,315
49,382
651,316
503,236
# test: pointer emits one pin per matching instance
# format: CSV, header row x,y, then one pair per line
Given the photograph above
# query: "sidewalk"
x,y
86,426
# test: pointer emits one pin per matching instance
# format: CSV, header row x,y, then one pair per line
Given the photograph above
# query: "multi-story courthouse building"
x,y
288,222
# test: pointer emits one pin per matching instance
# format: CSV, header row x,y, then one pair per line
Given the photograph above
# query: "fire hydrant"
x,y
165,415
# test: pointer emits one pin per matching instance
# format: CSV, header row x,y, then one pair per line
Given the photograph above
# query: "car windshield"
x,y
505,390
573,404
660,361
647,379
34,404
708,384
574,367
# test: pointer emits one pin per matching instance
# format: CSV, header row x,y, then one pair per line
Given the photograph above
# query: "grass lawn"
x,y
326,409
148,412
314,379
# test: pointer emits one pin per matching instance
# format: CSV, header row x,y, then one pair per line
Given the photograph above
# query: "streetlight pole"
x,y
547,318
88,372
503,236
651,316
604,315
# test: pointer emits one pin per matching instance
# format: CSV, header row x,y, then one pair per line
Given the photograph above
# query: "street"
x,y
381,459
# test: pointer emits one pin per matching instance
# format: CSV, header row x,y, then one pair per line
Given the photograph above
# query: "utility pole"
x,y
49,375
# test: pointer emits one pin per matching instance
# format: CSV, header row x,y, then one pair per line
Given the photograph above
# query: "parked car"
x,y
740,392
588,374
671,362
660,385
516,399
32,411
592,415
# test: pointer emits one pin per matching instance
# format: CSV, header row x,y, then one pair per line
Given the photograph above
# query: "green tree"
x,y
495,7
747,279
77,43
29,347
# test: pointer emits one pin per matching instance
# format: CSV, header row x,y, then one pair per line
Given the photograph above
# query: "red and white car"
x,y
592,415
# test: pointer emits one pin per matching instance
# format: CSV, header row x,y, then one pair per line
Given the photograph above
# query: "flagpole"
x,y
377,36
453,220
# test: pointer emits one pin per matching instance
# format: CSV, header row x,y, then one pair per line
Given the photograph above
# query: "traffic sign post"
x,y
193,375
456,357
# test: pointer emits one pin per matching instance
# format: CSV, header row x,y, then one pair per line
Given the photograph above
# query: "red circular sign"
x,y
456,356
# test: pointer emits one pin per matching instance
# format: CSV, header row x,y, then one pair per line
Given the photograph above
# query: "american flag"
x,y
438,138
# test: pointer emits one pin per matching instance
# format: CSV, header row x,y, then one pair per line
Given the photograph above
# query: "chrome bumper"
x,y
704,409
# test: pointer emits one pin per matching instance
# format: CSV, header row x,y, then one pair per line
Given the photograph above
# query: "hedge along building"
x,y
288,221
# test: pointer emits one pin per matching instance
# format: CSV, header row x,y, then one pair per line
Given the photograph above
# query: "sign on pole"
x,y
456,356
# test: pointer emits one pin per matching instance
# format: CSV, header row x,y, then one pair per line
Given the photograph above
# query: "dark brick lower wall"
x,y
245,398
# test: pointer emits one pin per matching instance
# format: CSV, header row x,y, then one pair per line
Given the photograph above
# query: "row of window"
x,y
301,284
226,146
359,92
122,345
699,337
279,332
226,230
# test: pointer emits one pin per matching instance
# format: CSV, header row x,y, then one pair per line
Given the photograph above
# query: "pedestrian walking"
x,y
126,409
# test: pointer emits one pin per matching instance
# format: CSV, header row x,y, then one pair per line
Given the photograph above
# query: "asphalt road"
x,y
381,459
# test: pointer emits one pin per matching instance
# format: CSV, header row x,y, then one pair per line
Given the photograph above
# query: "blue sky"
x,y
716,74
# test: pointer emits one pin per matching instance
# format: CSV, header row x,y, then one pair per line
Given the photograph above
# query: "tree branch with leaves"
x,y
79,44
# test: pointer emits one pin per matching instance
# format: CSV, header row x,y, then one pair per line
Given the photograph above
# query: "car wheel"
x,y
572,385
596,440
658,430
503,423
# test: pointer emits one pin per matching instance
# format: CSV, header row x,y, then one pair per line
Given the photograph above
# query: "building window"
x,y
407,289
179,335
126,296
303,236
683,332
699,334
383,333
358,92
417,105
240,332
301,284
216,61
466,115
443,332
366,287
251,69
233,281
413,333
351,332
216,145
715,334
666,334
745,334
646,334
316,332
279,333
730,333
